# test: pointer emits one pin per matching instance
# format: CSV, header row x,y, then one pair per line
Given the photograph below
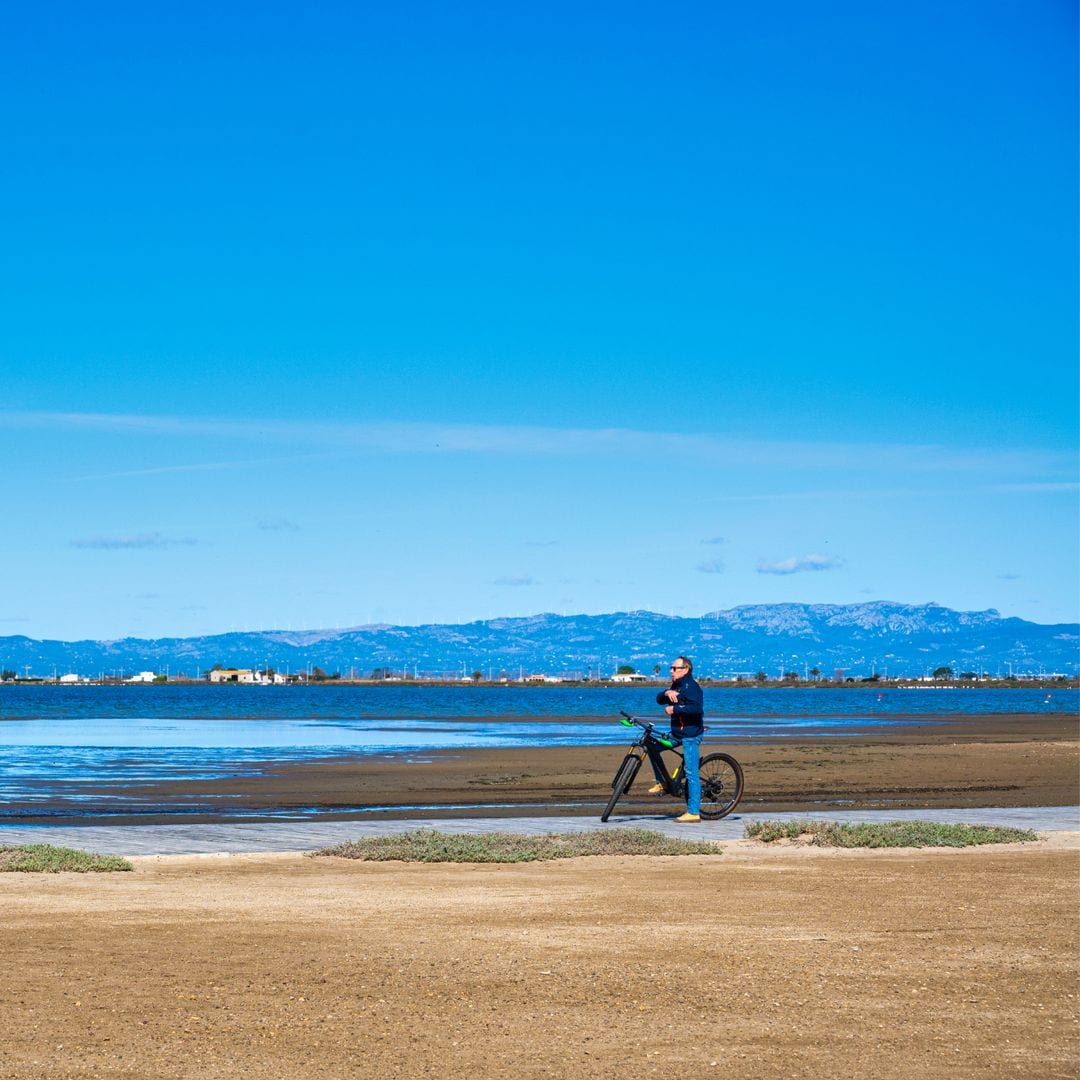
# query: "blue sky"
x,y
319,317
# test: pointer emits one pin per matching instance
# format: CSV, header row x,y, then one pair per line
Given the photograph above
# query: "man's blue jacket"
x,y
686,720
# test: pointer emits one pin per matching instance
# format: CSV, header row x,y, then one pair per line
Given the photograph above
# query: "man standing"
x,y
685,704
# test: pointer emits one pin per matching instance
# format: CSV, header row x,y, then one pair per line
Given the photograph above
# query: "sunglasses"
x,y
678,667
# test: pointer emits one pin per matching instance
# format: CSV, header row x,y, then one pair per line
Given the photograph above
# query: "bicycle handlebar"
x,y
670,741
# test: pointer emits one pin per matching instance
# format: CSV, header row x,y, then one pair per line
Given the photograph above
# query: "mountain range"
x,y
883,637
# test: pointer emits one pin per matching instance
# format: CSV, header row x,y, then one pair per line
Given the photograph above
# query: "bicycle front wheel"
x,y
624,777
721,785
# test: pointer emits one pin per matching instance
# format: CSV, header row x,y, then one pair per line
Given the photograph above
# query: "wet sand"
x,y
1003,760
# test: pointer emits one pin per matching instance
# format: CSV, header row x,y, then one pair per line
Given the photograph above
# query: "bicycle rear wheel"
x,y
624,777
721,785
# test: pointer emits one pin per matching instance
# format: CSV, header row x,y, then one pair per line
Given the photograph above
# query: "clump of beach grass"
x,y
46,859
885,834
431,845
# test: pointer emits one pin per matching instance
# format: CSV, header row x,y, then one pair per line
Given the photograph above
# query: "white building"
x,y
231,674
143,676
245,675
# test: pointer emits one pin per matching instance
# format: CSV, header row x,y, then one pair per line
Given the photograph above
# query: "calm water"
x,y
58,741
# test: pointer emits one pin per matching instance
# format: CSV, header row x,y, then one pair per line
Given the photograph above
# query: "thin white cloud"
x,y
1020,489
278,525
715,540
799,564
142,542
712,566
428,438
877,492
514,582
212,466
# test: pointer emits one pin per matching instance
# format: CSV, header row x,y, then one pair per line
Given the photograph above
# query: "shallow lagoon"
x,y
55,739
410,702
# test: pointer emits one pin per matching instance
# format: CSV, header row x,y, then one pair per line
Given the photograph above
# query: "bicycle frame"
x,y
652,746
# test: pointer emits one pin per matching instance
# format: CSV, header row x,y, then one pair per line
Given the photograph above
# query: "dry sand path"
x,y
757,962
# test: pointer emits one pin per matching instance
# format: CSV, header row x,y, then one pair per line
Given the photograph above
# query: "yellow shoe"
x,y
685,819
656,789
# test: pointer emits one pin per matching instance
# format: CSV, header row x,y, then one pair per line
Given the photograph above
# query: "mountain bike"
x,y
721,775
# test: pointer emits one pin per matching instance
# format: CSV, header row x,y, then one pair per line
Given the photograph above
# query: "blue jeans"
x,y
691,749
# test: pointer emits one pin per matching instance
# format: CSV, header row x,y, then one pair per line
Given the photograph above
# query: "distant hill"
x,y
897,639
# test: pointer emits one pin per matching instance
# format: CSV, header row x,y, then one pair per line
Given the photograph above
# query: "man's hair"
x,y
688,662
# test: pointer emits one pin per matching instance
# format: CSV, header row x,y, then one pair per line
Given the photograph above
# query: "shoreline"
x,y
940,762
1032,682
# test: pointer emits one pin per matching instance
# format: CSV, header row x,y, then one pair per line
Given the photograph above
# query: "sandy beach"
x,y
766,962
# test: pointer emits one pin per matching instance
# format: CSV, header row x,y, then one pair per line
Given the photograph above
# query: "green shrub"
x,y
885,834
46,859
431,845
